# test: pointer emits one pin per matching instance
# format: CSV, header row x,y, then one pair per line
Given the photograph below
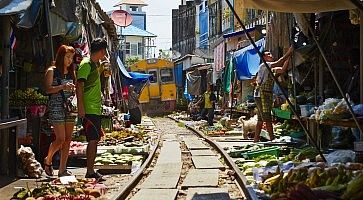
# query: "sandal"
x,y
64,173
48,169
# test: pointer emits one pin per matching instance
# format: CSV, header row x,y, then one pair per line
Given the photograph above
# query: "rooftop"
x,y
130,2
134,31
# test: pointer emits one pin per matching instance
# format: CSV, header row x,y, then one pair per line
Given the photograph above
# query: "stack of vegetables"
x,y
127,136
110,158
27,97
83,189
340,180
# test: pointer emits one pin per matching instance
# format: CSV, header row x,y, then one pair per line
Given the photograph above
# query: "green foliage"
x,y
165,54
131,60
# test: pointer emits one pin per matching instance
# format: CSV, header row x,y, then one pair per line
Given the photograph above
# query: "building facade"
x,y
136,41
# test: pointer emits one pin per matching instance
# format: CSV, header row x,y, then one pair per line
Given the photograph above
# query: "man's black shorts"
x,y
92,126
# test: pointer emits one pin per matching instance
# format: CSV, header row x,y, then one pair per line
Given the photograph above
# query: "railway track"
x,y
186,165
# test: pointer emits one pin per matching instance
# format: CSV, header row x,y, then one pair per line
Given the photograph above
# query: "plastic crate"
x,y
237,153
274,151
284,114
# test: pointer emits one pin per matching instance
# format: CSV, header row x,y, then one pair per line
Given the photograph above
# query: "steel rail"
x,y
125,191
240,178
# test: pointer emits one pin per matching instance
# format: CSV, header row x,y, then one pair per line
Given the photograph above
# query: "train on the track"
x,y
160,94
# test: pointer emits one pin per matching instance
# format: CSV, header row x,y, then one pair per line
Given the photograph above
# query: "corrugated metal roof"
x,y
134,31
14,6
131,2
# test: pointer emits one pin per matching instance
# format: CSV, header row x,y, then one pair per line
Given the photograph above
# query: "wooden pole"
x,y
49,29
361,62
361,56
4,154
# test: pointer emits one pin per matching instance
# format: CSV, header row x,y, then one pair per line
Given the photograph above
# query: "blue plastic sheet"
x,y
14,6
137,78
179,75
248,61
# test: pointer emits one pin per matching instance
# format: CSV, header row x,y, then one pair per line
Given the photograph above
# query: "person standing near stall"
x,y
89,100
263,90
208,100
134,110
59,79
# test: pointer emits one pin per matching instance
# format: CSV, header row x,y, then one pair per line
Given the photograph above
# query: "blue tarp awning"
x,y
122,68
131,78
248,60
137,78
10,7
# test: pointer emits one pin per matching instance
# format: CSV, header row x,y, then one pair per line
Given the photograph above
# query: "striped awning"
x,y
10,7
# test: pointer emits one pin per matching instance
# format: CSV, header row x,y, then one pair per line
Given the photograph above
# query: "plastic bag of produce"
x,y
341,108
358,109
330,103
340,156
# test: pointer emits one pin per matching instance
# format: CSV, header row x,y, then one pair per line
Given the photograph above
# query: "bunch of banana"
x,y
280,182
270,184
354,189
330,177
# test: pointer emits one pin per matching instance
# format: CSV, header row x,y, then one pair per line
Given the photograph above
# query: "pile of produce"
x,y
180,116
246,166
286,128
27,97
82,190
299,155
79,138
340,179
126,136
332,109
237,152
30,165
301,192
120,159
77,148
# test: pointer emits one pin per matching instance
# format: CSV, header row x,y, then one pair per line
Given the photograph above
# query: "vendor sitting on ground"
x,y
263,90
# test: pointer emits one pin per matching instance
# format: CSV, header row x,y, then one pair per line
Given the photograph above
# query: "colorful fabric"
x,y
227,80
219,57
92,99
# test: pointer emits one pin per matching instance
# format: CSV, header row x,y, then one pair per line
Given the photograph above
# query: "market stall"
x,y
298,172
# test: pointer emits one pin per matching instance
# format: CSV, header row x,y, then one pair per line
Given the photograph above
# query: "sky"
x,y
158,18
